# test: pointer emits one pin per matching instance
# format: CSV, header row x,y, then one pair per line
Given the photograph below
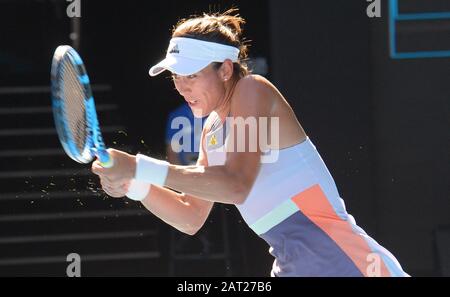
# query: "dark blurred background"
x,y
380,122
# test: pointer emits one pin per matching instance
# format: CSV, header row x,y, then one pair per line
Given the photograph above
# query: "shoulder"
x,y
253,92
253,82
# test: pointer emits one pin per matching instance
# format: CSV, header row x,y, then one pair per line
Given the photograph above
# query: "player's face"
x,y
203,91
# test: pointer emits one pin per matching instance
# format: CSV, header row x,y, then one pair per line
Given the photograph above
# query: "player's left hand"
x,y
114,190
120,174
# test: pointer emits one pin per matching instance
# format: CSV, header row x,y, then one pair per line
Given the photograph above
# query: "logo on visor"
x,y
174,50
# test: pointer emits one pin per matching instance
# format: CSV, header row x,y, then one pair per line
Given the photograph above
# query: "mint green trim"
x,y
273,218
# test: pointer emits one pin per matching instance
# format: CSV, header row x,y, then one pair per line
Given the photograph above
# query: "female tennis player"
x,y
283,190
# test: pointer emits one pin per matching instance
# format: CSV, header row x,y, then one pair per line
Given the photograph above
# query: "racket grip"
x,y
105,159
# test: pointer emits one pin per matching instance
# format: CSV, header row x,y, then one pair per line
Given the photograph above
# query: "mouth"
x,y
192,102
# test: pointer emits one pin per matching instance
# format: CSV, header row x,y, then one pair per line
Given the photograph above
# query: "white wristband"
x,y
138,190
151,170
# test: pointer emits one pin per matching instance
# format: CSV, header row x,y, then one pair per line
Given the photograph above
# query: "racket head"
x,y
72,103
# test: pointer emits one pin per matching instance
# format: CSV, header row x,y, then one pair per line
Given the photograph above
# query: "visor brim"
x,y
179,65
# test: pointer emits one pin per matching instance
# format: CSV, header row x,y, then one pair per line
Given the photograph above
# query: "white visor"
x,y
186,56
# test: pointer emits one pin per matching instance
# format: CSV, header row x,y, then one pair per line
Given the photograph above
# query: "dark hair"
x,y
224,28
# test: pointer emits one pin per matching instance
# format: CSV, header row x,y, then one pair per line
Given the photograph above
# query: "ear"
x,y
226,70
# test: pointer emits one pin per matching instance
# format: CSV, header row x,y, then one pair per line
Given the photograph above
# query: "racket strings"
x,y
74,110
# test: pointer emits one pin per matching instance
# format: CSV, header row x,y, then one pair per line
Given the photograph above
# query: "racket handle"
x,y
105,159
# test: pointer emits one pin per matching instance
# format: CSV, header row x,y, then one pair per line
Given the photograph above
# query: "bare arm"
x,y
231,182
182,211
217,183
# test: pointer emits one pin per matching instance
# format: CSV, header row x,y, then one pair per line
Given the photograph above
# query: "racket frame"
x,y
94,144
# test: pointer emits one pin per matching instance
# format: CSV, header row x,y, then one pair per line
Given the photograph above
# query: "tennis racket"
x,y
74,109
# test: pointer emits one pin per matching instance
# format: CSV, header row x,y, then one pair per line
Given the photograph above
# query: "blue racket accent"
x,y
76,57
98,145
74,109
84,79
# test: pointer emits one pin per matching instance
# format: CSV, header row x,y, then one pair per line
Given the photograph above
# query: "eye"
x,y
192,76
